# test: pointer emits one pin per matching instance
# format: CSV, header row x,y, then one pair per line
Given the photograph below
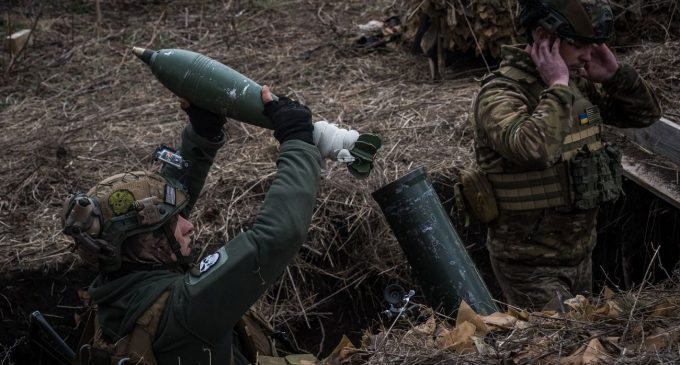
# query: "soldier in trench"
x,y
538,122
152,305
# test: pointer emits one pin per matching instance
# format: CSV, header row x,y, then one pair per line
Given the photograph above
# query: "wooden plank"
x,y
662,181
661,138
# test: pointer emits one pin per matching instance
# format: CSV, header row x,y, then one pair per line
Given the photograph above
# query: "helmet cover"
x,y
119,207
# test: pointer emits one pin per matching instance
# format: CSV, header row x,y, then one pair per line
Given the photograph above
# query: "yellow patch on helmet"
x,y
120,201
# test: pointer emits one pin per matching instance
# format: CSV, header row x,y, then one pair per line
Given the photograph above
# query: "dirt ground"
x,y
76,106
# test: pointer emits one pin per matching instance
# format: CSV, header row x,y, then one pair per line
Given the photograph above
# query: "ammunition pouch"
x,y
474,197
261,344
596,176
530,190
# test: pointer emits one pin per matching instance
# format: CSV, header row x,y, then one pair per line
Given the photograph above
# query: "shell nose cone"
x,y
143,54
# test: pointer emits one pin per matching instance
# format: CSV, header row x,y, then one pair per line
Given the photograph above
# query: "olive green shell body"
x,y
210,85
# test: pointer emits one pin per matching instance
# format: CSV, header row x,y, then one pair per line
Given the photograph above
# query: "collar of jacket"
x,y
515,56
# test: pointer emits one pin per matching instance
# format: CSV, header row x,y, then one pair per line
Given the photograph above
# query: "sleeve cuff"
x,y
202,142
296,144
621,77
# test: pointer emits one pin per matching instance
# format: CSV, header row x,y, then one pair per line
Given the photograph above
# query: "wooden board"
x,y
651,158
661,138
654,178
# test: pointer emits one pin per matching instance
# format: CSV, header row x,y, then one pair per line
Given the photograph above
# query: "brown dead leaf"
x,y
577,303
457,339
523,315
608,293
467,314
610,309
591,354
664,309
423,334
660,340
482,347
499,320
581,308
344,348
595,353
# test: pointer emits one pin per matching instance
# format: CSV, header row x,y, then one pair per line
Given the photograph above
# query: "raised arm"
x,y
528,138
240,272
201,139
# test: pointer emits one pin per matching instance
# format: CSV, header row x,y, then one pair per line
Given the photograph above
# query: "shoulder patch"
x,y
120,201
206,267
208,262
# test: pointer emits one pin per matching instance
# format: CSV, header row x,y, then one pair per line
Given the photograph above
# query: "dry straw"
x,y
76,108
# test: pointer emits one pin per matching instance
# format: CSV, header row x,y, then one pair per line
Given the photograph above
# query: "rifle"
x,y
48,340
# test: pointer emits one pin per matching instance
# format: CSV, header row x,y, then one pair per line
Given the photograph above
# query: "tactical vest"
x,y
136,348
587,173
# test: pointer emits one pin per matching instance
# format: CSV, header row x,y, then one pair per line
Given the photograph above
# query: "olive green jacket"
x,y
196,326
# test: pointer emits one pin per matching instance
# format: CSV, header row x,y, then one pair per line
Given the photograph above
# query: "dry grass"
x,y
636,327
76,108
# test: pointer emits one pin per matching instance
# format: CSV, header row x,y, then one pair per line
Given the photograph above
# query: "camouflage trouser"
x,y
532,287
534,254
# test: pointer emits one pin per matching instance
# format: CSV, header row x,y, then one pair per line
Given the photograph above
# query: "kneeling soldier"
x,y
151,305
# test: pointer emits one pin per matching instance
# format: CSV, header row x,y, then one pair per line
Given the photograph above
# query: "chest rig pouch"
x,y
475,201
588,173
595,169
135,348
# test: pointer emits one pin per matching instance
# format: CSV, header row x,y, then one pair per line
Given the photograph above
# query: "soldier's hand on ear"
x,y
602,66
205,123
545,52
291,119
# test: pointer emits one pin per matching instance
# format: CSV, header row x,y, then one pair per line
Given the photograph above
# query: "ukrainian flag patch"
x,y
583,117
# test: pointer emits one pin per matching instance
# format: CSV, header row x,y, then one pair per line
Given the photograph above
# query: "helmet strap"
x,y
184,262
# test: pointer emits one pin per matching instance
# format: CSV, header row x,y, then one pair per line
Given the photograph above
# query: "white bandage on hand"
x,y
334,143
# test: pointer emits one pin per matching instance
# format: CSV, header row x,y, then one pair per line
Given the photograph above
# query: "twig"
x,y
297,295
13,59
632,310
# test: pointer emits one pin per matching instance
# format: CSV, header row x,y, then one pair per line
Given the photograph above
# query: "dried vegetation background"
x,y
76,106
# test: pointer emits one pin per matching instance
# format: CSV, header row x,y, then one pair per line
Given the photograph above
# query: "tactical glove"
x,y
205,123
291,120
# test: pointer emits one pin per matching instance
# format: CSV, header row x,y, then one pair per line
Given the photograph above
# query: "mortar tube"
x,y
433,248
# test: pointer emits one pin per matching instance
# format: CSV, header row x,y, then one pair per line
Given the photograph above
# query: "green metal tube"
x,y
207,84
434,250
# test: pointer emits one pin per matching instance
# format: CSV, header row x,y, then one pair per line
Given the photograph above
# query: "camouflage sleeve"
x,y
530,139
626,100
200,152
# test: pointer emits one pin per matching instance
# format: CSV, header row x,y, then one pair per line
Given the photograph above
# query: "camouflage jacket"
x,y
520,125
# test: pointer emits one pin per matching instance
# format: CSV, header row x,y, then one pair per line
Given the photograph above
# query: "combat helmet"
x,y
120,207
589,21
